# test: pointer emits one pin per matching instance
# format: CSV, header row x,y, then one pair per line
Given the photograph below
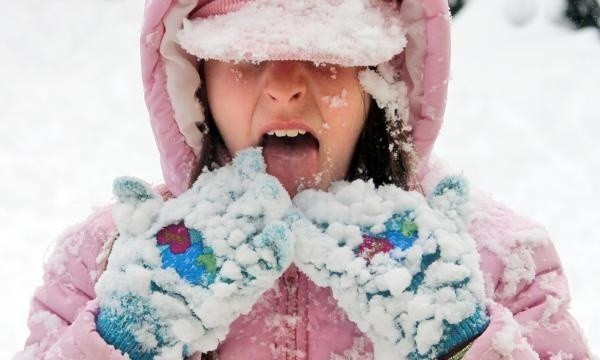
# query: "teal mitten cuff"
x,y
457,335
133,330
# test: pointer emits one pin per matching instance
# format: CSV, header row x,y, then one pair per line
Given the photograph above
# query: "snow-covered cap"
x,y
416,78
347,33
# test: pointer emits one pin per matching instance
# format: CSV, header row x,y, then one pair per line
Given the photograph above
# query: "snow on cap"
x,y
344,32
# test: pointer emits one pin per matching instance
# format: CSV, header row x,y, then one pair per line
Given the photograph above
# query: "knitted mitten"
x,y
401,266
182,270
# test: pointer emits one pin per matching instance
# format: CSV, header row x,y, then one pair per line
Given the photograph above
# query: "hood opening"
x,y
171,80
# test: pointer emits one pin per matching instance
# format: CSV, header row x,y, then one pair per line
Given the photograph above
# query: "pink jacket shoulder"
x,y
527,288
62,313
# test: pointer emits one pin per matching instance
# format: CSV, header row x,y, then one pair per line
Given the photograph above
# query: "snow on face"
x,y
337,101
290,94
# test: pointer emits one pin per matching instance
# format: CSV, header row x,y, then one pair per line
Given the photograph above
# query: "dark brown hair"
x,y
374,156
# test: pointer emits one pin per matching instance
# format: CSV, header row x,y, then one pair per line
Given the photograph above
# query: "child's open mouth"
x,y
292,156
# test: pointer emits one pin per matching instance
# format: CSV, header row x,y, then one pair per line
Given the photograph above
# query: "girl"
x,y
330,90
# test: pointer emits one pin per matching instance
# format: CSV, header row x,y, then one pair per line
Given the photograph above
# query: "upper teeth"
x,y
290,133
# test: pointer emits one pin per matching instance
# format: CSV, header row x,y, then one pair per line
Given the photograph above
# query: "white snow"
x,y
52,323
356,352
337,101
522,122
350,33
561,356
504,340
384,89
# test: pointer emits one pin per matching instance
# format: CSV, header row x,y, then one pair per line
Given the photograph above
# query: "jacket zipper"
x,y
291,309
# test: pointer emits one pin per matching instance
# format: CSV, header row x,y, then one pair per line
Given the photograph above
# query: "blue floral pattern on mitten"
x,y
183,249
400,233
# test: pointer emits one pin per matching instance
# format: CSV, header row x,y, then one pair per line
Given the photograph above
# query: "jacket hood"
x,y
171,80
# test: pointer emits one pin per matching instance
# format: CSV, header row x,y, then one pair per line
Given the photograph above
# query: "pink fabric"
x,y
436,74
61,324
177,158
296,319
216,7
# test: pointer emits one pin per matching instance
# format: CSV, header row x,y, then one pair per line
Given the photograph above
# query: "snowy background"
x,y
522,121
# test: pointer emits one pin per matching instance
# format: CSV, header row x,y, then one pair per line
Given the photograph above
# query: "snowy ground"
x,y
522,117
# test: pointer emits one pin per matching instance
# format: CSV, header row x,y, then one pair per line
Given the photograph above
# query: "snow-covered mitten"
x,y
401,266
183,269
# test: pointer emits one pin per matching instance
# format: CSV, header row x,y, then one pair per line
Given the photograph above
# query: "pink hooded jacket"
x,y
296,319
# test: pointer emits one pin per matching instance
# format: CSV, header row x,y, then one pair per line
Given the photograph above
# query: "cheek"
x,y
233,122
344,112
342,100
343,128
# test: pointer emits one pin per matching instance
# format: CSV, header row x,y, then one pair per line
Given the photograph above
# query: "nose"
x,y
285,83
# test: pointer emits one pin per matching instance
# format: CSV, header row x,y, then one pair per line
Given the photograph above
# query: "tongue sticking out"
x,y
293,161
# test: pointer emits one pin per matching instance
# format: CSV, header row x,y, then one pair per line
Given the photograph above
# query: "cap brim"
x,y
350,33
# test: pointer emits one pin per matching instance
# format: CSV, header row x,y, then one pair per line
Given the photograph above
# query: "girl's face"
x,y
306,117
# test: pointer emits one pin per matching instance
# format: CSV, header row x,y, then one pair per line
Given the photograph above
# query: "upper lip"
x,y
286,125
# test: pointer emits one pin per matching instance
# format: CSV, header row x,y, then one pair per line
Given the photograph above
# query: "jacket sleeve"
x,y
62,313
528,290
